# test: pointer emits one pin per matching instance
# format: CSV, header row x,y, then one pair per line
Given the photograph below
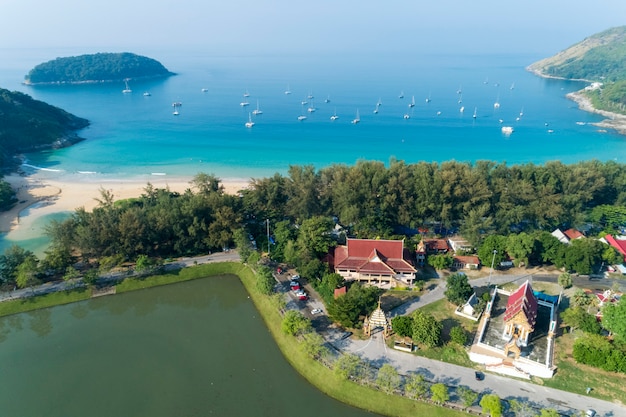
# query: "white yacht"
x,y
127,89
507,130
357,118
401,94
412,103
257,111
249,123
301,117
244,103
334,116
146,94
406,116
288,91
246,94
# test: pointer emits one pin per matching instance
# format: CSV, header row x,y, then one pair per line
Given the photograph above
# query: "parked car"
x,y
303,297
479,376
295,277
590,413
294,286
316,311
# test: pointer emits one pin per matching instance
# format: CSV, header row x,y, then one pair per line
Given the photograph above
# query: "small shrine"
x,y
377,319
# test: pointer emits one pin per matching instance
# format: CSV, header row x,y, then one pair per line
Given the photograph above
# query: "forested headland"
x,y
27,125
598,58
98,67
485,202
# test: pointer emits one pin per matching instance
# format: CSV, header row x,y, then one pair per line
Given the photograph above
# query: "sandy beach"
x,y
46,196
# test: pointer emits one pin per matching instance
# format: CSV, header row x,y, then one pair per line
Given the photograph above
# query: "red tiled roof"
x,y
340,291
573,234
618,244
373,256
523,300
472,260
437,245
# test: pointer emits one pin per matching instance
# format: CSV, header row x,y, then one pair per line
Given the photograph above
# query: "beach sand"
x,y
47,196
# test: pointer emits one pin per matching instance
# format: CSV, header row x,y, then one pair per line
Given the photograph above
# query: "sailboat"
x,y
327,99
376,109
496,105
357,118
334,116
287,91
249,123
401,94
428,98
412,103
246,94
379,102
257,110
311,108
176,105
474,115
302,116
127,89
310,96
406,116
512,86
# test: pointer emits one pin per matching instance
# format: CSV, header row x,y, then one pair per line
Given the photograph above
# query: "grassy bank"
x,y
23,305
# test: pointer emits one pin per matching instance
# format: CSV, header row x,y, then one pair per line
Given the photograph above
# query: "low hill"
x,y
27,124
601,57
100,67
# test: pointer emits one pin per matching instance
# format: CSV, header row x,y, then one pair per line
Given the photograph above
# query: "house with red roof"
x,y
465,262
520,316
568,235
384,263
618,242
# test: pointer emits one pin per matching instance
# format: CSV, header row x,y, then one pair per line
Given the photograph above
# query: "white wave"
x,y
87,172
42,169
158,173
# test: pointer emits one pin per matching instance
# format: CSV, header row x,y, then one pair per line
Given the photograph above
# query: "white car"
x,y
316,311
295,277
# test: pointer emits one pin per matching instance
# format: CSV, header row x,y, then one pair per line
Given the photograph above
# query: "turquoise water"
x,y
132,135
138,137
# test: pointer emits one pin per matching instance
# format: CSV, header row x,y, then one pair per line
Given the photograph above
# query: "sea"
x,y
462,102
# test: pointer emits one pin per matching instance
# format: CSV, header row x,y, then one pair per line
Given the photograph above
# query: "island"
x,y
601,61
95,68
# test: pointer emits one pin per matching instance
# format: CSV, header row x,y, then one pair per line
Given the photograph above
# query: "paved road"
x,y
377,352
231,256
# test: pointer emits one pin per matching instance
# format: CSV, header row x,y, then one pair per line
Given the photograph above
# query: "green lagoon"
x,y
197,348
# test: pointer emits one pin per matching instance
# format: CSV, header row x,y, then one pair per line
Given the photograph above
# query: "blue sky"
x,y
540,27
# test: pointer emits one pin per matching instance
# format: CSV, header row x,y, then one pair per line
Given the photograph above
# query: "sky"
x,y
541,27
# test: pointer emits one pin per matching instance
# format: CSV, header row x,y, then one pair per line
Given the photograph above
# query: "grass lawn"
x,y
574,377
43,301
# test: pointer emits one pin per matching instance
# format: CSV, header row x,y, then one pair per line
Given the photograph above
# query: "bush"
x,y
458,335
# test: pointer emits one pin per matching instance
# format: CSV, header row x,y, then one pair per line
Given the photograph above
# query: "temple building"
x,y
520,316
384,263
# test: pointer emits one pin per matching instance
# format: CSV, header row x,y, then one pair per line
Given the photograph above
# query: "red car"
x,y
294,286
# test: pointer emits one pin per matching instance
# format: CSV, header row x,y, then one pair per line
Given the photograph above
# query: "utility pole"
x,y
490,272
268,237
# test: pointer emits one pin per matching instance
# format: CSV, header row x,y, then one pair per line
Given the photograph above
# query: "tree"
x,y
416,386
520,246
521,409
491,243
614,319
580,298
402,325
312,344
314,235
549,412
491,404
458,335
577,318
278,301
439,393
206,183
143,264
265,281
565,280
388,379
12,257
468,396
440,262
26,274
295,323
426,329
348,366
458,289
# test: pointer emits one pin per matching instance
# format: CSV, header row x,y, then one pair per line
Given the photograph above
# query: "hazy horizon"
x,y
325,26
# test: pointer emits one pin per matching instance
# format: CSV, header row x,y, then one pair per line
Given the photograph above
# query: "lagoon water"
x,y
197,348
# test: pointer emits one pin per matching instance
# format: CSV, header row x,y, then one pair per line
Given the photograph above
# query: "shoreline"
x,y
42,196
614,121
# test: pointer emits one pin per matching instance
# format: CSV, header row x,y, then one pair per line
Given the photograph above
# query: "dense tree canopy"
x,y
96,67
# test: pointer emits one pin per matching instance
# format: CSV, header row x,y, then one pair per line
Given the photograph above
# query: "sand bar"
x,y
55,196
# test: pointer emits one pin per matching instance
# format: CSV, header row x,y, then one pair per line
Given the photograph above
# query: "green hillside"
x,y
27,124
96,68
601,57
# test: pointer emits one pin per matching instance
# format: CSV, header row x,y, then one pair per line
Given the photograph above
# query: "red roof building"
x,y
375,262
619,244
465,262
520,316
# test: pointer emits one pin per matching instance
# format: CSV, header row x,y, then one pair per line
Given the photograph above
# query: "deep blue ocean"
x,y
136,136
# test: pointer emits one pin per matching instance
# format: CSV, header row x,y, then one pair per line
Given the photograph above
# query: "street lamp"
x,y
490,272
